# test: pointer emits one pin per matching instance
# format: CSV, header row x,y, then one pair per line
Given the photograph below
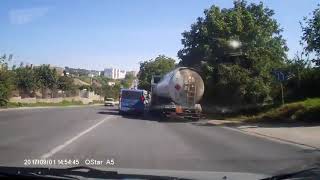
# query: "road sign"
x,y
282,75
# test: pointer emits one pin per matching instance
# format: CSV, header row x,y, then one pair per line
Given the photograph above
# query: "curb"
x,y
273,138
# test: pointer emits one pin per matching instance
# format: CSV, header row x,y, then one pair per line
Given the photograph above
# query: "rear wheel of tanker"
x,y
153,114
163,117
195,119
145,113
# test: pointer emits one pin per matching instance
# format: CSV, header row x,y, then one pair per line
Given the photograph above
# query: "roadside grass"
x,y
38,104
301,111
241,114
98,102
229,117
306,111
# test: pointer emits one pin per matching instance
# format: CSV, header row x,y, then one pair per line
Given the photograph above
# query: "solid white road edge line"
x,y
60,147
271,138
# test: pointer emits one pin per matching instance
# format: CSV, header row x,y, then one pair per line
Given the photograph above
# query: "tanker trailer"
x,y
177,93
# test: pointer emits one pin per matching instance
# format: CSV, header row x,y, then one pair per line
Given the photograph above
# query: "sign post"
x,y
282,98
281,76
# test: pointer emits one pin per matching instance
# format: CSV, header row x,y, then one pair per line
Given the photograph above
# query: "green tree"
x,y
6,83
46,79
25,81
111,91
87,87
102,80
65,84
4,87
127,81
158,66
303,76
304,83
235,49
311,32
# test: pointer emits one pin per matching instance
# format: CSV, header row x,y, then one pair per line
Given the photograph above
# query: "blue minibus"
x,y
132,101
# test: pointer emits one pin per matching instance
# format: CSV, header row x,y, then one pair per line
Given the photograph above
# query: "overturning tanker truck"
x,y
177,93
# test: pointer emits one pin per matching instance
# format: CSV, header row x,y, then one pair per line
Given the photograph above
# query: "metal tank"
x,y
183,85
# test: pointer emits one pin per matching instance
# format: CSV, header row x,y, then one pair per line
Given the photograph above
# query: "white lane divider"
x,y
60,147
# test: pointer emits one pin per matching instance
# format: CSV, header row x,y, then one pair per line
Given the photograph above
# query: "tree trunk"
x,y
44,93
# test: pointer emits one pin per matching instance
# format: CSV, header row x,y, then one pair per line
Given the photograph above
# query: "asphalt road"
x,y
99,133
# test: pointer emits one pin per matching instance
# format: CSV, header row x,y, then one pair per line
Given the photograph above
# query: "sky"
x,y
96,34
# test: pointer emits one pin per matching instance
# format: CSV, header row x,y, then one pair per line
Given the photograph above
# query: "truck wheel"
x,y
195,118
144,115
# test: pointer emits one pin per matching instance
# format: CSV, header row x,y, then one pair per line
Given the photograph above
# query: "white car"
x,y
109,102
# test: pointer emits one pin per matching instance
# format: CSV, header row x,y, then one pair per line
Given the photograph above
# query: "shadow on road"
x,y
311,151
144,117
108,112
109,108
113,111
209,123
172,120
138,117
201,123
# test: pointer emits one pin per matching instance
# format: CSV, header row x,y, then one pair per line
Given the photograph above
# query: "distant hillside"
x,y
81,72
78,82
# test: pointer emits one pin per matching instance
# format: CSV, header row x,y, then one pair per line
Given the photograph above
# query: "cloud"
x,y
25,16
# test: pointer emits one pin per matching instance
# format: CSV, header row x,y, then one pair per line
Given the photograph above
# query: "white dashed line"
x,y
60,147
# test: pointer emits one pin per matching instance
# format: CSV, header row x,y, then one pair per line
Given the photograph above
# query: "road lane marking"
x,y
271,138
60,147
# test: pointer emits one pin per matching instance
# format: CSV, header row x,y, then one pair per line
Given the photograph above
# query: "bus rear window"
x,y
130,95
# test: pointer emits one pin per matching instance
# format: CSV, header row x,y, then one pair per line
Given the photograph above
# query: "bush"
x,y
3,102
235,85
306,86
307,110
97,102
65,102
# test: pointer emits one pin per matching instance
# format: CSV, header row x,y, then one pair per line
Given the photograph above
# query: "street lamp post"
x,y
235,50
235,44
234,47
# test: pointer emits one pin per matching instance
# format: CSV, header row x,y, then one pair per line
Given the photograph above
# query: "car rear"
x,y
109,102
132,101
